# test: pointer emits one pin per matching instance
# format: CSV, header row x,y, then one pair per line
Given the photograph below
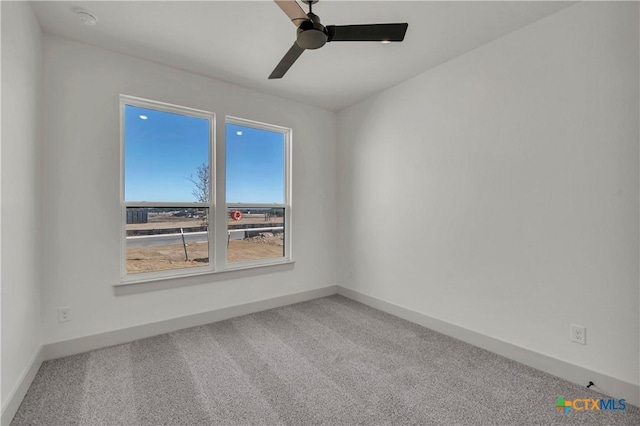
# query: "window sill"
x,y
132,285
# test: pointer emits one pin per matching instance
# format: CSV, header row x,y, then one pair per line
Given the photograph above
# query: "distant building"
x,y
137,216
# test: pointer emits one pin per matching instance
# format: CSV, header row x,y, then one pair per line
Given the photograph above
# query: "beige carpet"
x,y
329,361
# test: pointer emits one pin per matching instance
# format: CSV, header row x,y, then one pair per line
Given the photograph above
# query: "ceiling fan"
x,y
312,34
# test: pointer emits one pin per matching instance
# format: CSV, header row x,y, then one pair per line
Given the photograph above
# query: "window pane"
x,y
163,152
155,241
255,234
255,165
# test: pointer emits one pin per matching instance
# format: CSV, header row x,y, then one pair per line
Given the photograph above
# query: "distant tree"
x,y
202,183
201,190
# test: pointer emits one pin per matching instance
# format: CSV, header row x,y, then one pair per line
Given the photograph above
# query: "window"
x,y
169,192
256,191
167,196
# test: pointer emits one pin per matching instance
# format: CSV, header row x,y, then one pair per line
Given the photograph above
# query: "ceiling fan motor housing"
x,y
312,34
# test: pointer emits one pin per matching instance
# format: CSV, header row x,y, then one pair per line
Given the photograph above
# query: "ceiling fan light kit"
x,y
311,34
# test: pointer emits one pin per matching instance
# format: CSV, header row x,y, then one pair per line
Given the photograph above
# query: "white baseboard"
x,y
10,408
125,335
607,385
116,337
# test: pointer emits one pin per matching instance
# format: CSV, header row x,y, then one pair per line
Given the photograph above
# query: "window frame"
x,y
218,253
211,205
286,204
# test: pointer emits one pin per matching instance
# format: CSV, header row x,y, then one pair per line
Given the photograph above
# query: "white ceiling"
x,y
242,41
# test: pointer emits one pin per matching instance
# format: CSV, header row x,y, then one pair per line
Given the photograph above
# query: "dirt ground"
x,y
159,258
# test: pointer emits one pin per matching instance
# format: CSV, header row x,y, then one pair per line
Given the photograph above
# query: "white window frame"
x,y
218,259
211,205
286,205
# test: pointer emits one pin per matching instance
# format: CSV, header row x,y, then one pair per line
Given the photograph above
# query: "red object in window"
x,y
236,215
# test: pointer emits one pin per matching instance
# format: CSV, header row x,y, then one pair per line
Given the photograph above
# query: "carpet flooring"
x,y
329,361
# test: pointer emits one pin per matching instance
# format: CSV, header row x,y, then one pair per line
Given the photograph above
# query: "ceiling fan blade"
x,y
285,63
373,32
293,11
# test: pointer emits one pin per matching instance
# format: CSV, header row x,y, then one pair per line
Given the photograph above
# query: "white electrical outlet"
x,y
64,314
578,334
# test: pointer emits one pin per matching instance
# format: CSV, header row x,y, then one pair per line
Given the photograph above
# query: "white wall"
x,y
21,192
519,160
499,191
81,217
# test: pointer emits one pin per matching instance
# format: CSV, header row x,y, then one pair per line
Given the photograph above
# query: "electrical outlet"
x,y
64,314
578,334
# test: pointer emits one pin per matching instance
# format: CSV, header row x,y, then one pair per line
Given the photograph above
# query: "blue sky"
x,y
162,150
255,165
